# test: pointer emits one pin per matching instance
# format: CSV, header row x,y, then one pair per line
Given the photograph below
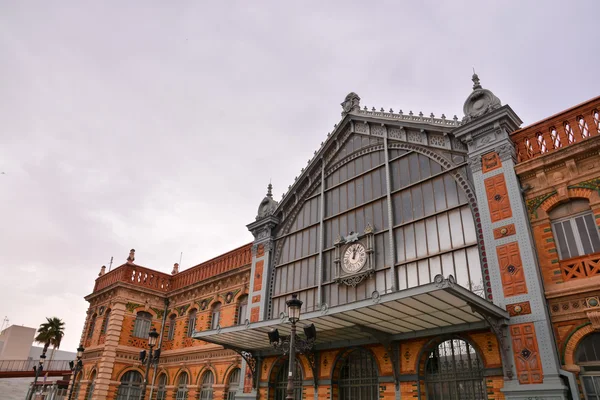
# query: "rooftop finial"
x,y
131,257
475,79
269,190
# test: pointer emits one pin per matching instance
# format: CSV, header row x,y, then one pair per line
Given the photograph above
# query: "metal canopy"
x,y
431,309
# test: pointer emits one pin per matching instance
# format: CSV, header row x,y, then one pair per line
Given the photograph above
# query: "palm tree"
x,y
51,333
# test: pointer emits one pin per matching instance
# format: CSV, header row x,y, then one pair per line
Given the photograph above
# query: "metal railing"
x,y
27,365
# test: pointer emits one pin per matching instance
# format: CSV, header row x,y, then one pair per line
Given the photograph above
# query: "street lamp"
x,y
294,305
293,343
76,367
38,370
152,357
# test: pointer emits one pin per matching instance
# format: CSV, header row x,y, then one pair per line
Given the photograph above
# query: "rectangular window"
x,y
576,236
171,333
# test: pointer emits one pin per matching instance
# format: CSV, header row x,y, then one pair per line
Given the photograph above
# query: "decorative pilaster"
x,y
106,363
513,270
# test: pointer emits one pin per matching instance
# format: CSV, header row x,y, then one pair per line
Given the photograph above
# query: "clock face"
x,y
355,258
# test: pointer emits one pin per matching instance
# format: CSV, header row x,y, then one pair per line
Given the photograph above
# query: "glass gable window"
x,y
141,328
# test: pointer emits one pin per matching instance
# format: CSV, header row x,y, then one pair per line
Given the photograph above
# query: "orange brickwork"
x,y
511,269
497,197
526,354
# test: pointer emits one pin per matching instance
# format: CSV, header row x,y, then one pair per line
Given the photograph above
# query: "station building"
x,y
438,258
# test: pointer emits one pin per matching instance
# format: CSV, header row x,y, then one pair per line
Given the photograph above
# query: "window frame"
x,y
215,316
571,219
192,320
142,325
171,330
242,310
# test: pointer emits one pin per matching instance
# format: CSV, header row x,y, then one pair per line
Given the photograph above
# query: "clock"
x,y
355,258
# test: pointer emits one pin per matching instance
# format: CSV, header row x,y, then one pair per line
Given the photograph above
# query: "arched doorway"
x,y
356,376
130,387
280,382
587,357
454,371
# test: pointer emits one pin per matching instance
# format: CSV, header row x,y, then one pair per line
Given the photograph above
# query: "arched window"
x,y
575,229
182,391
77,385
242,308
171,332
282,378
454,371
92,326
192,322
357,377
130,387
105,322
143,321
91,385
216,315
161,391
587,356
206,391
233,383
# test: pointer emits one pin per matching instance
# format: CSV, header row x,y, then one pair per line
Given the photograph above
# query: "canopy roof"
x,y
432,309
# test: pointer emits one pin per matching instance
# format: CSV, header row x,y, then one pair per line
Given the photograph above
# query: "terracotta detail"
x,y
258,273
518,309
511,269
260,251
140,276
526,354
254,314
256,299
490,162
580,267
497,196
504,231
557,132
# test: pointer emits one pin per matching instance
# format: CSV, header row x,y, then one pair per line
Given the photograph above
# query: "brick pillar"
x,y
107,360
515,278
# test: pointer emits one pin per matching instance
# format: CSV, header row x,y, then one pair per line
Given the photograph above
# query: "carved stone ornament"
x,y
267,205
362,246
475,163
480,102
350,103
594,317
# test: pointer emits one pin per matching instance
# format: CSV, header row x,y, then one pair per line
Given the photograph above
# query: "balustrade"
x,y
140,276
561,130
580,267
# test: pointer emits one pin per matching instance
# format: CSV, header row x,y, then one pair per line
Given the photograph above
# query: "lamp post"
x,y
294,305
152,357
294,342
76,367
38,370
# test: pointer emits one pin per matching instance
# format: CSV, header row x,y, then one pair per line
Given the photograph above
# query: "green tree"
x,y
50,333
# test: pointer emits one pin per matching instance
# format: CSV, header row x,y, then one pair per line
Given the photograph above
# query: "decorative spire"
x,y
269,190
475,79
175,269
102,270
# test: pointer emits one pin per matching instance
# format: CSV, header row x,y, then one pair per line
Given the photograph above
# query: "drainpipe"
x,y
162,330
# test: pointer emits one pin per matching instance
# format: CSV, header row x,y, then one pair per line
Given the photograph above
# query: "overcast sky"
x,y
157,125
